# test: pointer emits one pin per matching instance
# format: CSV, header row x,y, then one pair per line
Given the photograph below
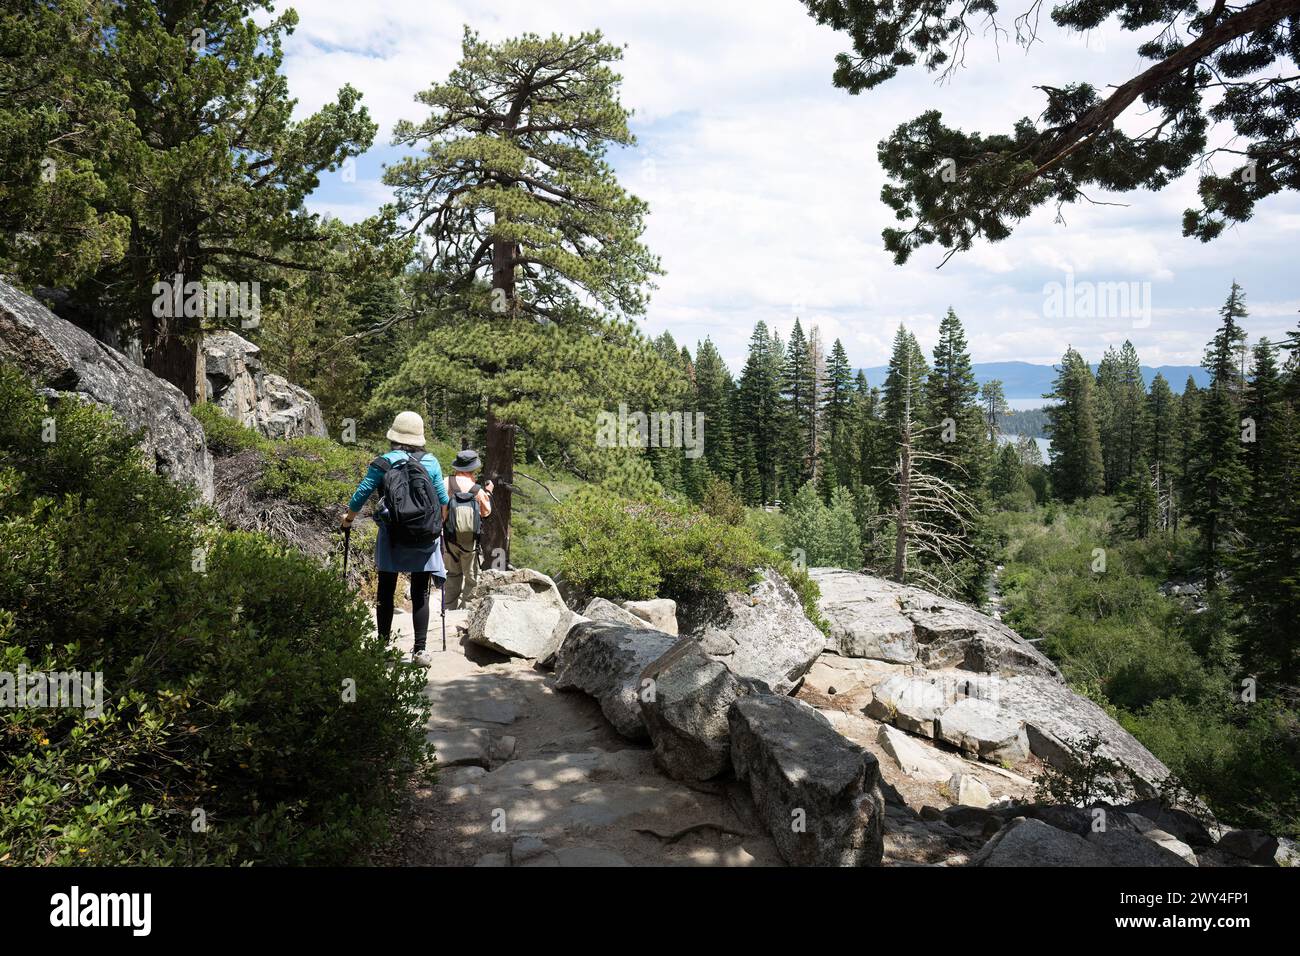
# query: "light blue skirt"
x,y
391,556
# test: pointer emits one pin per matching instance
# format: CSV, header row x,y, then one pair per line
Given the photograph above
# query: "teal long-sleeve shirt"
x,y
375,478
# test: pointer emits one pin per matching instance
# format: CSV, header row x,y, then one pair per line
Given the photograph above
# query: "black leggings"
x,y
419,604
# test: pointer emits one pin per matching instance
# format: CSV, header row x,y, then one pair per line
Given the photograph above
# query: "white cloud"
x,y
765,188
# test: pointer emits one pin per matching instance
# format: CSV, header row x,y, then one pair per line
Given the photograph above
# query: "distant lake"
x,y
1044,444
1021,404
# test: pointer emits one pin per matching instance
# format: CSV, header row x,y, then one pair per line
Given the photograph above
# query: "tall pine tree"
x,y
1076,467
1219,481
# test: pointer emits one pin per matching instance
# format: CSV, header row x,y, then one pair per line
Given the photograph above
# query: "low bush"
x,y
315,471
225,435
249,712
626,549
1170,674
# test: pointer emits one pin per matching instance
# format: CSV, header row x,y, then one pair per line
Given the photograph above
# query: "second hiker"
x,y
469,504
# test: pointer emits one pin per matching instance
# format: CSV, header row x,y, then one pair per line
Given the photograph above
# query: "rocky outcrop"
x,y
57,355
520,613
938,669
761,633
606,661
685,710
240,388
875,618
818,794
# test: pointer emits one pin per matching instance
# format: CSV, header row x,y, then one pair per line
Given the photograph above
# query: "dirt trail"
x,y
531,776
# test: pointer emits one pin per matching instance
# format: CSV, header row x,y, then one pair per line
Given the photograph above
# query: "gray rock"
x,y
1173,820
864,617
912,703
1026,842
969,791
504,748
1130,848
237,385
981,822
913,758
686,715
817,793
525,848
519,612
659,613
980,727
587,856
454,776
599,609
942,640
457,747
761,634
606,661
1288,852
1061,717
1213,857
1074,820
1253,846
1159,837
57,355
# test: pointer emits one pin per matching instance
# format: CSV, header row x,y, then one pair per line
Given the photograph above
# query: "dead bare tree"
x,y
933,521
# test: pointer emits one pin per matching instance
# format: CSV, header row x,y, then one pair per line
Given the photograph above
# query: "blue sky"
x,y
764,186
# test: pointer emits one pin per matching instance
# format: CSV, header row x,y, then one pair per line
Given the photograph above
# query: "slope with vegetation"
x,y
250,713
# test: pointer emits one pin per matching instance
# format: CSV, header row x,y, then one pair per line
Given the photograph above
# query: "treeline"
x,y
1224,459
907,461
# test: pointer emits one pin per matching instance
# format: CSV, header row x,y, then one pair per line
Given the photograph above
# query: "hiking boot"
x,y
421,658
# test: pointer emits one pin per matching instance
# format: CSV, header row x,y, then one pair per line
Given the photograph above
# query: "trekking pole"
x,y
347,546
442,599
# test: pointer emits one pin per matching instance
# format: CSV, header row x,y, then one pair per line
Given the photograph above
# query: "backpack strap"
x,y
382,463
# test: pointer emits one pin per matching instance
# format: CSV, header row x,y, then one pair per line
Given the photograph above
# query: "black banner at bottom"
x,y
335,906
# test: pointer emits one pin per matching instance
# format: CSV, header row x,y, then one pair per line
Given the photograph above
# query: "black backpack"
x,y
414,513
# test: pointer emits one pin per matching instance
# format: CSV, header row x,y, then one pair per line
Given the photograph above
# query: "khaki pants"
x,y
462,574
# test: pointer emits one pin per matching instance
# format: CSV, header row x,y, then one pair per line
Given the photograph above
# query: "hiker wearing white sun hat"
x,y
408,429
409,521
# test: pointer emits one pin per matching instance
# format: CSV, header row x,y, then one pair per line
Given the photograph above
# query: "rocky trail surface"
x,y
533,776
910,735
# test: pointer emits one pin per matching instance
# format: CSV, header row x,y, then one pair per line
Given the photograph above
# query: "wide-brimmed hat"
x,y
466,460
408,429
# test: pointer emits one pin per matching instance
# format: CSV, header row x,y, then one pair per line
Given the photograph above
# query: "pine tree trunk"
x,y
500,470
171,341
175,358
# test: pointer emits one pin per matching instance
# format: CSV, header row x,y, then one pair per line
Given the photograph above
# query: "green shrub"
x,y
721,501
309,471
225,435
619,548
1166,674
632,550
1087,776
315,471
250,714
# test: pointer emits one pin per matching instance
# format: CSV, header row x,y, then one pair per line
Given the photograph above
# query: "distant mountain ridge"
x,y
1022,380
